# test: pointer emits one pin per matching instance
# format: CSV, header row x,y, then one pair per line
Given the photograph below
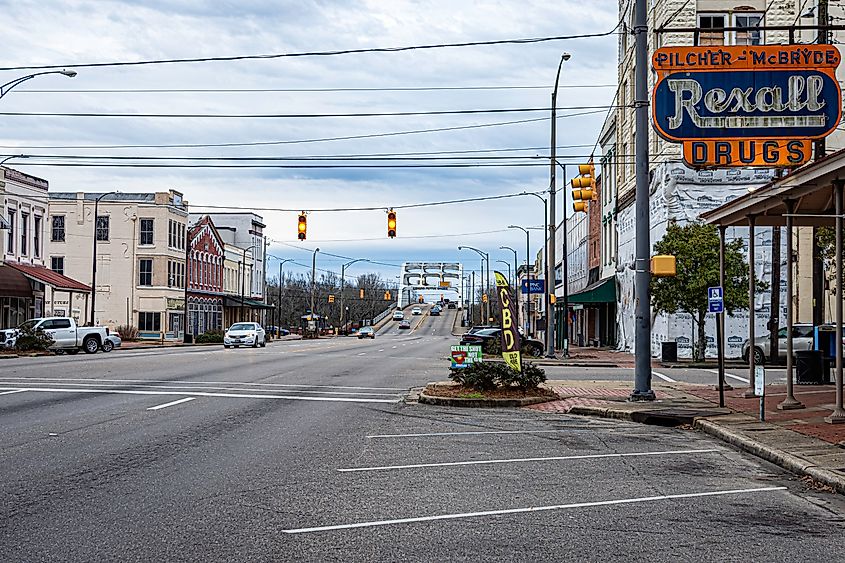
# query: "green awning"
x,y
603,291
247,303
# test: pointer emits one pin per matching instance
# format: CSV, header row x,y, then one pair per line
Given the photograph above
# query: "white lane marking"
x,y
382,350
738,378
393,347
664,377
202,394
171,403
190,389
469,433
375,523
60,379
13,391
362,354
526,459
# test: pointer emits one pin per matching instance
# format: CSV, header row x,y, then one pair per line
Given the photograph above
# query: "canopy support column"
x,y
790,402
751,317
838,414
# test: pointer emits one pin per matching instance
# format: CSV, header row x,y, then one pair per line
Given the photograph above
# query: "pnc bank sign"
x,y
746,105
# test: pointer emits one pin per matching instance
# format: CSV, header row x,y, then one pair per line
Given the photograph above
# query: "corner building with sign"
x,y
680,193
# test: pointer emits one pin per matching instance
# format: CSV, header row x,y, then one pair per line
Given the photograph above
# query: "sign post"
x,y
463,356
760,389
716,304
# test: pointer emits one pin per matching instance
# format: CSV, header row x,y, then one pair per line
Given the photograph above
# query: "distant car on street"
x,y
405,324
416,311
245,334
367,332
451,305
435,312
398,315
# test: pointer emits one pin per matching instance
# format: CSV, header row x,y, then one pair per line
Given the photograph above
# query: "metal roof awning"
x,y
809,190
49,277
603,291
247,303
13,283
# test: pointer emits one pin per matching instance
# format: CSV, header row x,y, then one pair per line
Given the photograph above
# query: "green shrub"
x,y
210,336
489,375
127,332
29,340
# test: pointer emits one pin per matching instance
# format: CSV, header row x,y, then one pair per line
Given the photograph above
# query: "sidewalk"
x,y
797,440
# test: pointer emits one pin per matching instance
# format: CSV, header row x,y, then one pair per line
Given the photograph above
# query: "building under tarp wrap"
x,y
681,194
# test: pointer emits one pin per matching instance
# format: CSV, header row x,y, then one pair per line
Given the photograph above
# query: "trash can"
x,y
669,351
189,338
809,367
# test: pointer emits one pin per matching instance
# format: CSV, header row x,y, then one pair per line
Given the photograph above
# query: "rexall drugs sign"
x,y
746,105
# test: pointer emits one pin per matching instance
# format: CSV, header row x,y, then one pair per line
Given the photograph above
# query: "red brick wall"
x,y
594,229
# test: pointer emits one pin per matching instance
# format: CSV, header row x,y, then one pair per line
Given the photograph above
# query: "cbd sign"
x,y
746,105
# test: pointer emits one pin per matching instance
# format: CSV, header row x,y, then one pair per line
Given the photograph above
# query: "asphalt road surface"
x,y
305,451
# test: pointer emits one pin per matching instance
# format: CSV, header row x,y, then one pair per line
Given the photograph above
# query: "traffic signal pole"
x,y
642,293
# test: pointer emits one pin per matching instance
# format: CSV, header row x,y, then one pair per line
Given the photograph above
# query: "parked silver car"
x,y
802,339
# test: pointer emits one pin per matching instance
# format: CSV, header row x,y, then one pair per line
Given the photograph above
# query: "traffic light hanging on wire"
x,y
302,227
391,224
584,187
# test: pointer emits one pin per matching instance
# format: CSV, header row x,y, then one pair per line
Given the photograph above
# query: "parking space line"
x,y
13,391
468,433
376,523
203,394
171,403
527,460
664,377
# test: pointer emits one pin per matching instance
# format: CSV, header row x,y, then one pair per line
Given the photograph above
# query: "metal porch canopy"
x,y
811,196
603,291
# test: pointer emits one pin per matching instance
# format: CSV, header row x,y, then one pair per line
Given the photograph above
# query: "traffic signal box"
x,y
302,227
391,224
331,298
584,187
361,293
663,265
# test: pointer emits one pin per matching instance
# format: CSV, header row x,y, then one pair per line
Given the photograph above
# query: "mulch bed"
x,y
459,391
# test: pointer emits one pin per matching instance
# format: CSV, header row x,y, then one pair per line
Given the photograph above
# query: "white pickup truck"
x,y
66,334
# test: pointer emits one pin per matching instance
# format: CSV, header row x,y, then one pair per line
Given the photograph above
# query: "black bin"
x,y
809,367
669,351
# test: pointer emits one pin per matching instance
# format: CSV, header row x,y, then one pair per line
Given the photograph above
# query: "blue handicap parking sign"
x,y
715,299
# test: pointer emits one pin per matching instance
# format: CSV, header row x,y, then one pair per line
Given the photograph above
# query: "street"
x,y
306,451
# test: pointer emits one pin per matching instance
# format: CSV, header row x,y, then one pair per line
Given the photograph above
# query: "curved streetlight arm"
x,y
7,87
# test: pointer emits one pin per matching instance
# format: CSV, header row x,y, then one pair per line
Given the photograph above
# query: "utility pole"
x,y
642,293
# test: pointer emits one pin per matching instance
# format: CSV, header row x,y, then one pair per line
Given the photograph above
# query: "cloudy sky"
x,y
46,32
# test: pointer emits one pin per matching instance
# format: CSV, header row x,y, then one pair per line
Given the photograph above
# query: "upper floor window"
x,y
58,231
146,232
711,29
145,272
57,264
10,236
751,33
102,227
175,234
36,237
24,233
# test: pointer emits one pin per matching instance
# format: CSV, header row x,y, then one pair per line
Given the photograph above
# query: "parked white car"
x,y
66,334
245,334
416,311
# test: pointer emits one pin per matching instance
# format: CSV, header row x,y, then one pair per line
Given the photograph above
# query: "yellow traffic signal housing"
x,y
587,170
302,227
663,265
361,293
583,182
484,298
387,296
391,224
331,298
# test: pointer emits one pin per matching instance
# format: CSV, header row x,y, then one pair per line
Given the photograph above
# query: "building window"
x,y
751,33
145,272
24,232
36,237
57,264
175,274
10,237
58,232
146,232
712,29
149,321
175,235
102,227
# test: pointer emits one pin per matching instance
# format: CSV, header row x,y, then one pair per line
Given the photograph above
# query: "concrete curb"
x,y
788,461
784,459
543,362
482,403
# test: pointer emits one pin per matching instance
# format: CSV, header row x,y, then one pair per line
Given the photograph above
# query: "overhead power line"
x,y
294,90
318,53
287,115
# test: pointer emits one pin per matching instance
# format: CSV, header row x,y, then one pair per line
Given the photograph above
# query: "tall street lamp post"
x,y
527,277
484,256
508,264
243,278
550,274
515,273
282,262
92,320
4,89
342,285
550,252
565,271
313,279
